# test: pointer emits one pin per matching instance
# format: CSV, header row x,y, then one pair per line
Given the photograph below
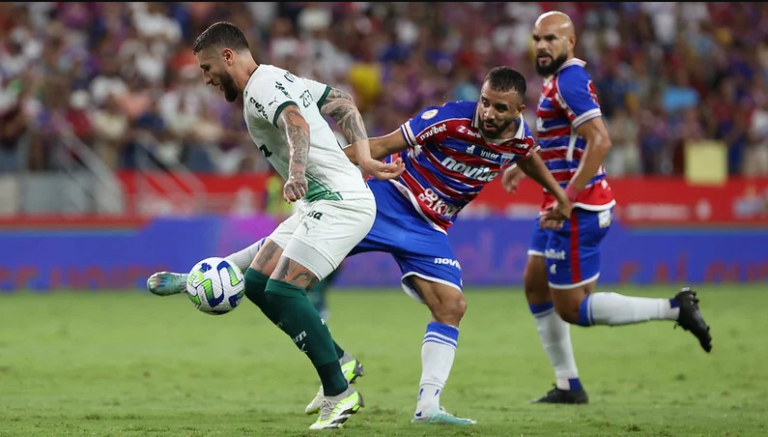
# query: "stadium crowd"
x,y
121,77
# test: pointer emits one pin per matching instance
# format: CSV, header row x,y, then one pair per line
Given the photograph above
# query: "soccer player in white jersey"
x,y
338,209
339,106
564,264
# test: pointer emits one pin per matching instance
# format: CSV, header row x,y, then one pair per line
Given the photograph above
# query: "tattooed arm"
x,y
340,106
297,134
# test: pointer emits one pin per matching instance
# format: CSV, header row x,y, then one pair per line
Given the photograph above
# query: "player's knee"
x,y
567,304
449,308
460,306
255,284
535,281
536,289
568,312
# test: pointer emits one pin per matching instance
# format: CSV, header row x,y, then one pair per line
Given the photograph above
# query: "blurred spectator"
x,y
123,78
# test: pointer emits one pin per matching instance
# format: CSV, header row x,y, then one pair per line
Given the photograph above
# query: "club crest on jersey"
x,y
428,115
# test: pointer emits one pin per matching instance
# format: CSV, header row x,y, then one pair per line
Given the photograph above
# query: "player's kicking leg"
x,y
554,332
169,283
573,275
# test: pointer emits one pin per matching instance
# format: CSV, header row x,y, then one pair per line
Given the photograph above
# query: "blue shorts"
x,y
573,252
418,248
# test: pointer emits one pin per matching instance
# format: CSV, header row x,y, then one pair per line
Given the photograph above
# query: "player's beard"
x,y
551,68
499,127
228,85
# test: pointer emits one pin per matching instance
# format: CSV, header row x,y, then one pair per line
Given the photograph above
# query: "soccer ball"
x,y
215,286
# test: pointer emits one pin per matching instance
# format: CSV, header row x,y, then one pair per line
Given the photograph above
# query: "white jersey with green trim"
x,y
330,174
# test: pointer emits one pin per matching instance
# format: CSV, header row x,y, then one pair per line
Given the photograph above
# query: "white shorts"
x,y
320,234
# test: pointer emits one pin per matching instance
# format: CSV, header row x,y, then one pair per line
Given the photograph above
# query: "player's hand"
x,y
511,178
383,171
295,188
555,215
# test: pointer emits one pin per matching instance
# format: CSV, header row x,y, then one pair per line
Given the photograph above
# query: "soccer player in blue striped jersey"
x,y
564,264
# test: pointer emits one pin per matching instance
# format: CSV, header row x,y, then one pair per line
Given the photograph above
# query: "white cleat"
x,y
336,410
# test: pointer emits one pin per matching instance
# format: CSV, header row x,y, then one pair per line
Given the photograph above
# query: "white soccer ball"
x,y
215,286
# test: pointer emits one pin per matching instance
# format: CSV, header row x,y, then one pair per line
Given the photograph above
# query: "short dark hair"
x,y
221,34
506,79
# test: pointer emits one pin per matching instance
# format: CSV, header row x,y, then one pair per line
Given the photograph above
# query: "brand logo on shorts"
x,y
554,254
448,261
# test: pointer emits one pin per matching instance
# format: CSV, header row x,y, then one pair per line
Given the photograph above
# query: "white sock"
x,y
555,335
244,258
615,309
437,352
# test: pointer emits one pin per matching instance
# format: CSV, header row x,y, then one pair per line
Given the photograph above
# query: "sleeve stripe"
x,y
280,110
321,100
408,135
583,118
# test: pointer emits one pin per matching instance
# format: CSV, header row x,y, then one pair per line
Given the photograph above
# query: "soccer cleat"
x,y
439,416
167,283
690,317
558,396
336,410
351,368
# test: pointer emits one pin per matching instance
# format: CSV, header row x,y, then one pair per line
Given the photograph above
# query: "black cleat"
x,y
558,396
690,317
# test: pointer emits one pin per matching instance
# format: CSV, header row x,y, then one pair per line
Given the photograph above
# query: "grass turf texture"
x,y
133,364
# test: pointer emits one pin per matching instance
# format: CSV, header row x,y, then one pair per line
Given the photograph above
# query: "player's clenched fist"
x,y
295,188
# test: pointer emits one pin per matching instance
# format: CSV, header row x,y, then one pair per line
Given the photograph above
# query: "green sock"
x,y
255,284
300,320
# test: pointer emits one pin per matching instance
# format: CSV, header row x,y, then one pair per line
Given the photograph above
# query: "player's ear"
x,y
229,56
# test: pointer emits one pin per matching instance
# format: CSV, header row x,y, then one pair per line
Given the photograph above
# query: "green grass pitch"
x,y
132,364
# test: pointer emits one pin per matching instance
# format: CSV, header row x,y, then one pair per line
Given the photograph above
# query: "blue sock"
x,y
575,384
585,312
541,309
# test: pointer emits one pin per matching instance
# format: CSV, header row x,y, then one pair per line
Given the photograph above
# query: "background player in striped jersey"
x,y
564,264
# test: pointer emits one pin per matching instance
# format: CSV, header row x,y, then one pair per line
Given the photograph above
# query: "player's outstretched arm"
x,y
381,147
341,107
297,133
598,141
